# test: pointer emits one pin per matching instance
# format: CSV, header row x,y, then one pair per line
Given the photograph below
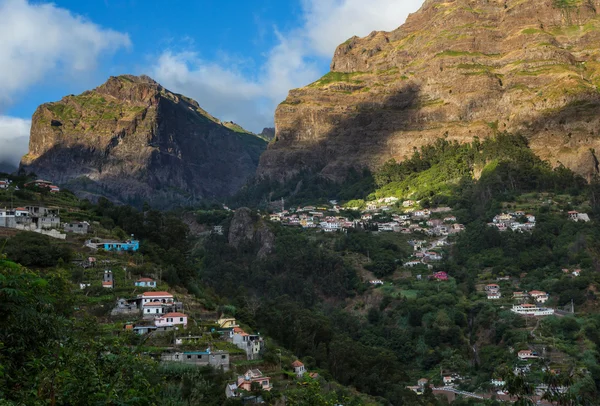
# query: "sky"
x,y
237,58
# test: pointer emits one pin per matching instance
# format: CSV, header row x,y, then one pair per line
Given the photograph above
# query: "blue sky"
x,y
237,58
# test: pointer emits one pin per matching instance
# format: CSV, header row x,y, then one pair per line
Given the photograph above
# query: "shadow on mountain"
x,y
91,174
324,167
573,133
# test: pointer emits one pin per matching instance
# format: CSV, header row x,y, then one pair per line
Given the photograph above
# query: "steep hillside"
x,y
456,68
133,140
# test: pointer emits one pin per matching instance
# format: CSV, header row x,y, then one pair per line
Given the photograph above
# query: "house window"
x,y
223,357
265,383
147,310
199,356
156,310
189,357
181,319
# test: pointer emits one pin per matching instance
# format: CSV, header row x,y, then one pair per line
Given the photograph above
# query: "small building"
x,y
77,227
423,382
125,307
376,282
4,183
527,309
111,245
107,280
494,295
440,276
492,287
299,369
252,344
215,359
227,322
145,283
539,296
171,319
527,354
164,297
448,380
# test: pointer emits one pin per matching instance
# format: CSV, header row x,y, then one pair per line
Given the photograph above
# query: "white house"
x,y
171,319
539,296
527,354
527,309
163,297
494,295
299,369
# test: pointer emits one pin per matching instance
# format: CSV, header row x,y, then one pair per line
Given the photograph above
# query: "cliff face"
x,y
456,68
132,140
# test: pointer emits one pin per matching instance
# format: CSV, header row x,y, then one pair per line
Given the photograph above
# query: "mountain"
x,y
268,133
132,140
457,69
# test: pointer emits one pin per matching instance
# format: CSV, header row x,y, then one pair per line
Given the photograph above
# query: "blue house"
x,y
109,245
145,283
129,245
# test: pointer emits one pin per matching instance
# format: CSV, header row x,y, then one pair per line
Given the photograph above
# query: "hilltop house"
x,y
299,369
145,283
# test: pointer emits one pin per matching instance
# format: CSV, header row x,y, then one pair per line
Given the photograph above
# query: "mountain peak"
x,y
133,140
458,69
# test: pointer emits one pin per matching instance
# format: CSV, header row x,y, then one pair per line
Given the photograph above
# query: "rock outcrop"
x,y
132,140
244,229
458,69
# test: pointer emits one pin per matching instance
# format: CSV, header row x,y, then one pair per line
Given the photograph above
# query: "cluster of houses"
x,y
511,221
377,216
44,220
43,184
425,253
4,184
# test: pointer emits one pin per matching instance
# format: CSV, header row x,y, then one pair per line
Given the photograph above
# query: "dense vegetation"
x,y
310,294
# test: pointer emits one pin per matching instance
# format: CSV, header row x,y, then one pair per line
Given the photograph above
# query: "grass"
x,y
333,77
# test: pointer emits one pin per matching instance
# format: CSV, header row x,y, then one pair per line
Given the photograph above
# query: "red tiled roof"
x,y
297,364
145,280
157,294
175,314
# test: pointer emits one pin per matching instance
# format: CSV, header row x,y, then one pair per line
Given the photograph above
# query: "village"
x,y
160,318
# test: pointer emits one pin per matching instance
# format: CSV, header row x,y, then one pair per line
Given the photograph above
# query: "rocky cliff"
x,y
456,68
132,140
248,229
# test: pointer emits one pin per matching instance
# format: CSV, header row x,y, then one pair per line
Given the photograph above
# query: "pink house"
x,y
171,319
440,276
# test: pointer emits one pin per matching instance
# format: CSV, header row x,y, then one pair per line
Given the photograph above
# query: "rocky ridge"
x,y
458,69
132,140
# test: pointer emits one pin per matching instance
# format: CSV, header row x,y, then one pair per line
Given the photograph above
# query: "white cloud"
x,y
294,62
14,139
39,39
